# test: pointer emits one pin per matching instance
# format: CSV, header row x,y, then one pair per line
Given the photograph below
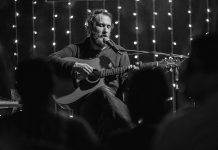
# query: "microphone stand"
x,y
155,53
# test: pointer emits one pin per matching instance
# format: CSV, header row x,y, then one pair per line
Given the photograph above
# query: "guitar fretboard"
x,y
120,70
114,71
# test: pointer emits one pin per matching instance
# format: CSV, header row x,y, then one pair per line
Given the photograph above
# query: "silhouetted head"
x,y
34,82
200,76
146,99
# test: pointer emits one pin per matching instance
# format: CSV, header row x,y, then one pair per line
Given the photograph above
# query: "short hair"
x,y
91,18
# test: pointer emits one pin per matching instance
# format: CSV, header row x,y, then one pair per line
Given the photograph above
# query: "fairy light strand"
x,y
33,26
16,34
136,42
69,32
53,26
118,22
208,16
154,28
190,24
137,25
87,8
104,4
171,29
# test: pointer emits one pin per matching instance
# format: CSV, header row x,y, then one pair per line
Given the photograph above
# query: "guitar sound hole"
x,y
86,85
94,76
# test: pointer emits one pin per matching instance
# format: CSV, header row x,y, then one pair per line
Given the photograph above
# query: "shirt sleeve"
x,y
63,67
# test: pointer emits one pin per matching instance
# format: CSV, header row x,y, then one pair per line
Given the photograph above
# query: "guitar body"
x,y
81,91
85,86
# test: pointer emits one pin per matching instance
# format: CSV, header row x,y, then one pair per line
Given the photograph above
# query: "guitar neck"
x,y
120,70
149,64
114,71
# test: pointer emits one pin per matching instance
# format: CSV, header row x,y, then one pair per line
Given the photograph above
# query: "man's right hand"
x,y
83,69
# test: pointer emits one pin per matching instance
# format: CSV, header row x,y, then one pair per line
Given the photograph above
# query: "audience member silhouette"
x,y
36,126
5,76
146,100
196,129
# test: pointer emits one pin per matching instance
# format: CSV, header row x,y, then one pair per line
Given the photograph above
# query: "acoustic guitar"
x,y
96,79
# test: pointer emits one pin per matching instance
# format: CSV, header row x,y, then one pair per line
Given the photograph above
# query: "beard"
x,y
97,39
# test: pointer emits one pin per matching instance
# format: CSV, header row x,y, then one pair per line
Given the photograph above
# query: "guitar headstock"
x,y
169,63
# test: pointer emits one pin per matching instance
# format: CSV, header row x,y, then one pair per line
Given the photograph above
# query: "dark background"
x,y
44,22
44,38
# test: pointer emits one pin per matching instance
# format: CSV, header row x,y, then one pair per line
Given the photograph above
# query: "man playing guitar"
x,y
101,106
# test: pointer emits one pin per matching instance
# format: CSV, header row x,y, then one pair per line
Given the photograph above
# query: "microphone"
x,y
111,44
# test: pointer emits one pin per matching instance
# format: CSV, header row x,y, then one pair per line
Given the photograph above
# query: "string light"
x,y
136,56
34,2
190,23
16,53
88,11
208,17
118,22
171,29
87,8
153,26
104,4
173,70
54,16
69,31
136,42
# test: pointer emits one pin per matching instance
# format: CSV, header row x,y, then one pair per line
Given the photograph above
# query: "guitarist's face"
x,y
101,28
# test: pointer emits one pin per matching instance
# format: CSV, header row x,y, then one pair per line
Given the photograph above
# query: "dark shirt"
x,y
108,58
